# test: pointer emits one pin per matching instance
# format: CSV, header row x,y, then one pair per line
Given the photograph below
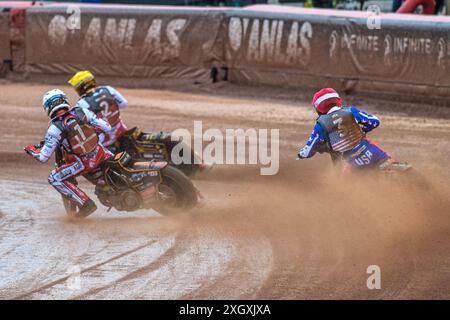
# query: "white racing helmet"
x,y
55,100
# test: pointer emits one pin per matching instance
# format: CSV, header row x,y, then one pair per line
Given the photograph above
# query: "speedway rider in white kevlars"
x,y
74,129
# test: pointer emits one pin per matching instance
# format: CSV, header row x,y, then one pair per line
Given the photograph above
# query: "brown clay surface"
x,y
305,233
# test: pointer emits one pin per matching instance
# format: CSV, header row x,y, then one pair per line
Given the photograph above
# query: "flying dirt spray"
x,y
234,142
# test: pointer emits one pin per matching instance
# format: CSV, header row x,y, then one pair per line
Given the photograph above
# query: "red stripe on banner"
x,y
136,6
342,13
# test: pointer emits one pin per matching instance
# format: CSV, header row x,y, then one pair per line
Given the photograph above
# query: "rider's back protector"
x,y
104,105
81,136
342,130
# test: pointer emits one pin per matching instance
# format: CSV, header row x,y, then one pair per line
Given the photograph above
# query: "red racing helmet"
x,y
325,99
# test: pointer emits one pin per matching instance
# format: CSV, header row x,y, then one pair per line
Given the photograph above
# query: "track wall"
x,y
270,45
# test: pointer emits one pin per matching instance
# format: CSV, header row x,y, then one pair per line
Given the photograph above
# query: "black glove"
x,y
322,148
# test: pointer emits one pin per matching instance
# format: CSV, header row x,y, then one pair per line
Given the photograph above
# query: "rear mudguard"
x,y
156,147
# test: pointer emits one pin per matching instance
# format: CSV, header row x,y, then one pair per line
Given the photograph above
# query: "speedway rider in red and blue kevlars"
x,y
74,128
344,130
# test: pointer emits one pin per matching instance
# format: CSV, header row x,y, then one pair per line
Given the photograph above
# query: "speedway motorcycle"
x,y
157,146
128,185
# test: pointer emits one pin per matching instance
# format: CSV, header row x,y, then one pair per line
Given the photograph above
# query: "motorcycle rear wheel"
x,y
177,192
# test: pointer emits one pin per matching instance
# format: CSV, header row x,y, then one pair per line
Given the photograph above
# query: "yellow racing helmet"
x,y
83,82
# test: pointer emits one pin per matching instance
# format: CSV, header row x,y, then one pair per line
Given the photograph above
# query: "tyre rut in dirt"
x,y
179,188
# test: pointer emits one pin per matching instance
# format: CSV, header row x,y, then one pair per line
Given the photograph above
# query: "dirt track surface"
x,y
305,233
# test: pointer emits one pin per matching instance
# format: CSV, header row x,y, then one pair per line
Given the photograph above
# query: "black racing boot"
x,y
87,208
